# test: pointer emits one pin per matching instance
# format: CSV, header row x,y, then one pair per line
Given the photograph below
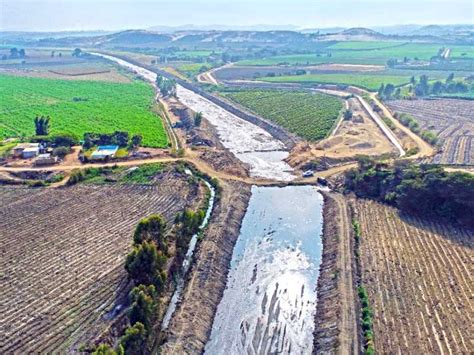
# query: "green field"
x,y
308,115
358,45
422,51
192,69
367,81
79,106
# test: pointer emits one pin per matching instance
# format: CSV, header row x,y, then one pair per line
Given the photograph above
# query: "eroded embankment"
x,y
336,317
191,325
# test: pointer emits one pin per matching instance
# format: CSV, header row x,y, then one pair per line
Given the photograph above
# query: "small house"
x,y
26,150
104,152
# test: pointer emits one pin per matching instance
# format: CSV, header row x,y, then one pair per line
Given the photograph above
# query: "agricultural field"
x,y
192,69
63,253
422,51
367,81
451,119
77,107
308,115
418,275
362,45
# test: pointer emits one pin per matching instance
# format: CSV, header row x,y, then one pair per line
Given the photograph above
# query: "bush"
x,y
151,228
61,151
133,339
77,175
143,307
145,265
64,140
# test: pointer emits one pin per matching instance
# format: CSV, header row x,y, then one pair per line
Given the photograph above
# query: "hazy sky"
x,y
49,15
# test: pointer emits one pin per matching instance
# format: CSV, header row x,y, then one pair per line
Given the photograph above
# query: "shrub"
x,y
61,151
143,308
133,339
151,228
145,265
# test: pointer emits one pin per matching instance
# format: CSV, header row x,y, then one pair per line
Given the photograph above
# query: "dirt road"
x,y
425,150
336,316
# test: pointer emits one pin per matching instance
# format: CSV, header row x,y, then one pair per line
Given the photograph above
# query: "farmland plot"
x,y
419,278
78,107
63,253
451,119
309,115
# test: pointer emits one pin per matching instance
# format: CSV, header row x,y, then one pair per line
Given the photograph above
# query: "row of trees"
x,y
15,53
120,138
425,190
146,266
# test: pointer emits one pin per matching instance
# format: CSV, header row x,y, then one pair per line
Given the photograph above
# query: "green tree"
x,y
136,141
388,91
143,306
450,78
145,265
14,53
42,125
381,90
348,115
151,228
105,349
77,52
198,119
134,338
22,53
413,80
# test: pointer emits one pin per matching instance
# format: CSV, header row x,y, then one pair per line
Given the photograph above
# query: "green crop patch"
x,y
78,107
366,81
308,115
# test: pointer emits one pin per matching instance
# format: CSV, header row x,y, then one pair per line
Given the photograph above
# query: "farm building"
x,y
26,150
45,159
104,152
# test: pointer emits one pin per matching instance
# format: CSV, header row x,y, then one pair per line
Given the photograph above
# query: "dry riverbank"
x,y
336,317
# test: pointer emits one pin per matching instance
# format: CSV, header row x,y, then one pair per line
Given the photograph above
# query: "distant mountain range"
x,y
170,36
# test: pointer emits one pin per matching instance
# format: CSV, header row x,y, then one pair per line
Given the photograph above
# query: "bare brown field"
x,y
451,119
419,279
62,258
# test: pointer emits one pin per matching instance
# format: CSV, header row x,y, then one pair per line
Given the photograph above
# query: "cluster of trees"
x,y
410,122
15,53
187,224
42,125
422,87
197,119
120,138
389,91
166,86
425,190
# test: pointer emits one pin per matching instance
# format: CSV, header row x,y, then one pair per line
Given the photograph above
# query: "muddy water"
x,y
248,142
270,299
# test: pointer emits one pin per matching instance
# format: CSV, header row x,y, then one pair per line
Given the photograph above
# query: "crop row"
x,y
308,115
63,257
77,107
418,278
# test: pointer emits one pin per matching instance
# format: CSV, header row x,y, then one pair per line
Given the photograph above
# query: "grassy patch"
x,y
5,148
142,175
308,115
77,107
422,51
367,81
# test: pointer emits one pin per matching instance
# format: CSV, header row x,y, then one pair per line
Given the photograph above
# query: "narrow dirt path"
x,y
348,335
425,150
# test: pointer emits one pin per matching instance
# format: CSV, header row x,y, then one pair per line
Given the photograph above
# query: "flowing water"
x,y
270,300
269,303
248,142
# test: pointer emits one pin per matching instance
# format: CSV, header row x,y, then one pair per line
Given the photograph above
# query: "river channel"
x,y
270,299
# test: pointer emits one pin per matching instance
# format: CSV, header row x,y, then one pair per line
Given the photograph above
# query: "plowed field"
x,y
420,282
62,254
